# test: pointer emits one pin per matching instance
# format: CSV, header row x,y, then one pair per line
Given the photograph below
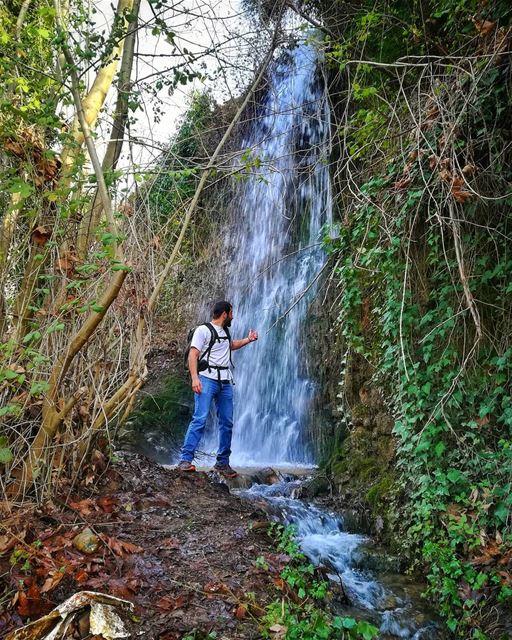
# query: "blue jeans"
x,y
223,396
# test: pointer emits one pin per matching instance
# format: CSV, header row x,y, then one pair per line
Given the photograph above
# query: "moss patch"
x,y
158,424
361,470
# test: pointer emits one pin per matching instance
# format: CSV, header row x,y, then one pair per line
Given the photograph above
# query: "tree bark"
x,y
95,99
115,144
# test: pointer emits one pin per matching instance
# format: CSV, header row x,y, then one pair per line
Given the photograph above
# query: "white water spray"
x,y
280,209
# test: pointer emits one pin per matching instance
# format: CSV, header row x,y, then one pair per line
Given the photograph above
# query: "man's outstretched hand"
x,y
253,335
197,387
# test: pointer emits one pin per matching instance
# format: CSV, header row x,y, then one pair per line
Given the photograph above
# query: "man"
x,y
212,380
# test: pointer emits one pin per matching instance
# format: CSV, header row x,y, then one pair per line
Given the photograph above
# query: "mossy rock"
x,y
157,426
381,490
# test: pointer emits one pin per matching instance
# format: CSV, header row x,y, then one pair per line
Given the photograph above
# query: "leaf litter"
x,y
179,547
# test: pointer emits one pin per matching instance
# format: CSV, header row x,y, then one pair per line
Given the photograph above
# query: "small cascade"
x,y
276,261
389,600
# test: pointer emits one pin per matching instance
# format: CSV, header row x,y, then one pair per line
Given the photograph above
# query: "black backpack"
x,y
204,360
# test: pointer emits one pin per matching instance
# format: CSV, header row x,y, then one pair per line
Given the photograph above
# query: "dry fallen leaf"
x,y
85,506
403,183
106,503
484,27
240,611
121,547
52,581
280,631
40,236
469,169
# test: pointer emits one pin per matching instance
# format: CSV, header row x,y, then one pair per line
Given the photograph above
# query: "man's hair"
x,y
220,307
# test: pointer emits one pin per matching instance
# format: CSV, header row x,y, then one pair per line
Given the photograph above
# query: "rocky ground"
x,y
180,547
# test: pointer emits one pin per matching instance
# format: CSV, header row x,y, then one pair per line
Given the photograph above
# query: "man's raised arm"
x,y
238,344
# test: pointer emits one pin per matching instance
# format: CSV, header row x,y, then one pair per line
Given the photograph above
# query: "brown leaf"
x,y
52,581
67,262
240,611
280,584
484,27
85,506
168,603
169,543
506,577
217,587
123,588
6,543
81,576
40,236
403,183
14,147
488,555
121,547
279,630
106,503
445,175
460,194
256,610
469,170
29,602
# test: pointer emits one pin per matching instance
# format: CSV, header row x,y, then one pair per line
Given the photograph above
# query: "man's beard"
x,y
226,323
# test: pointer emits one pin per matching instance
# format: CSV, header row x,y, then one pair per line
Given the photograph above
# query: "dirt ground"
x,y
179,546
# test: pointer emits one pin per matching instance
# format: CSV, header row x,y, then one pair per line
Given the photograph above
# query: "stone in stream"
x,y
267,476
315,486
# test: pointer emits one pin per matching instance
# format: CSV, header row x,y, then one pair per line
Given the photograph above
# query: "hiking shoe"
x,y
185,465
225,470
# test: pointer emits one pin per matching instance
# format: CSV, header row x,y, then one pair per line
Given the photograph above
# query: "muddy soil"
x,y
179,546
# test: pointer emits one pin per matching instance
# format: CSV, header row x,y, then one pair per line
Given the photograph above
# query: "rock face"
x,y
361,469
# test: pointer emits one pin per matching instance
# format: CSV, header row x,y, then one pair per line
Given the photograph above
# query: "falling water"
x,y
277,261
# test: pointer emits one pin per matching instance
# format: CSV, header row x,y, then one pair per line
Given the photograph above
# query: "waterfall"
x,y
276,261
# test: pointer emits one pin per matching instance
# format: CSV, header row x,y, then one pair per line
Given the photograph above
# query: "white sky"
x,y
200,26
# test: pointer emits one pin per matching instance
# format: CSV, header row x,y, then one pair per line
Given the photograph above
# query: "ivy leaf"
x,y
454,475
5,455
440,447
502,512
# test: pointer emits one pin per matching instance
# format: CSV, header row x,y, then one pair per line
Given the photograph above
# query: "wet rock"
x,y
378,560
312,487
267,476
241,481
86,541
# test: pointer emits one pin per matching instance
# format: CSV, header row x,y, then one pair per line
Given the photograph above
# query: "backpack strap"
x,y
213,337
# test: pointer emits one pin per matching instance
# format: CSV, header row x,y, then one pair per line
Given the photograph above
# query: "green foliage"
x,y
178,173
431,206
302,617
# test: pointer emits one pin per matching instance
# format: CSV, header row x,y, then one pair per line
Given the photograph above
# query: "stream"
x,y
367,576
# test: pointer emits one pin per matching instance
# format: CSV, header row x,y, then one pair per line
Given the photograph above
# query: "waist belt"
x,y
219,369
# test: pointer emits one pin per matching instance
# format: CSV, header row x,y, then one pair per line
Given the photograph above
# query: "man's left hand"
x,y
253,335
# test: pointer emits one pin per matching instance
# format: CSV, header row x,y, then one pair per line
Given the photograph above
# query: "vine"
x,y
423,261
